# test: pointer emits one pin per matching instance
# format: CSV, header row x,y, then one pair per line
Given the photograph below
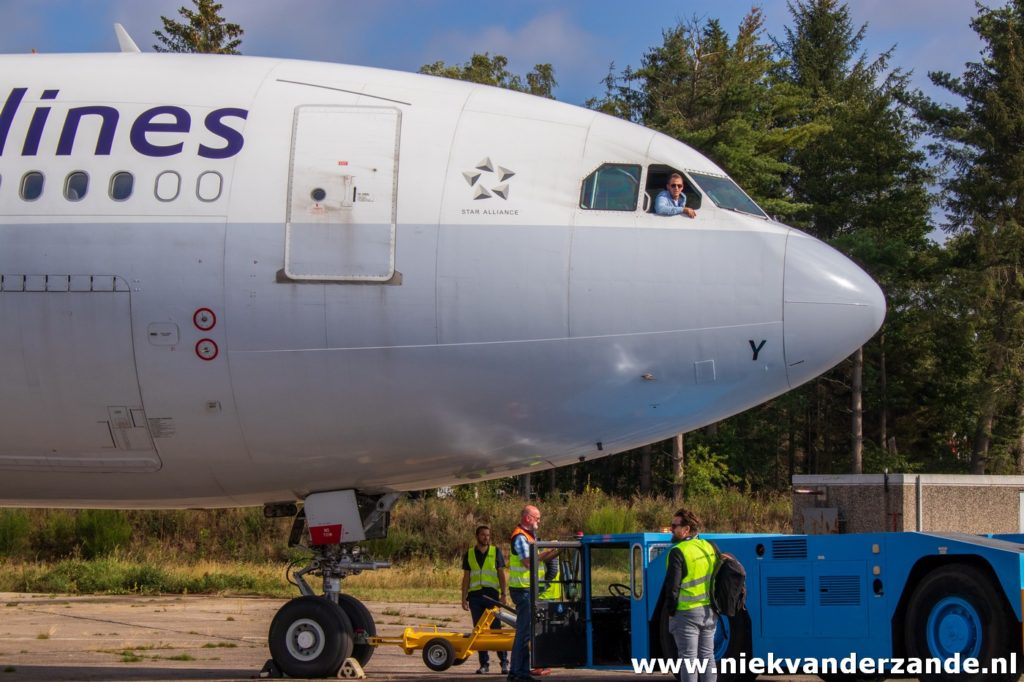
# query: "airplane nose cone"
x,y
830,307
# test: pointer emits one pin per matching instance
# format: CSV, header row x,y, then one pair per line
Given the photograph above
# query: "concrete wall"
x,y
875,502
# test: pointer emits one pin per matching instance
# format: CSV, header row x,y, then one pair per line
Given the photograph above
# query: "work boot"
x,y
504,667
483,669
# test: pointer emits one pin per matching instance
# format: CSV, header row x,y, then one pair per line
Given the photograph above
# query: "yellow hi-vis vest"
x,y
482,576
553,592
518,573
695,590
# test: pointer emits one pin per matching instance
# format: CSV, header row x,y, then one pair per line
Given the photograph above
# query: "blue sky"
x,y
579,37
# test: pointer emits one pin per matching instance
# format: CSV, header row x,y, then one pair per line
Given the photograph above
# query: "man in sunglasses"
x,y
671,200
690,565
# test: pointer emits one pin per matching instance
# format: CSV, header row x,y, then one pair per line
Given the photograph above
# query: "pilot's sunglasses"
x,y
675,185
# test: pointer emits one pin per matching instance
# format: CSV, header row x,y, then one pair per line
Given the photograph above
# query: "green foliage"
x,y
53,536
981,146
706,472
612,517
487,70
14,531
100,532
203,30
120,576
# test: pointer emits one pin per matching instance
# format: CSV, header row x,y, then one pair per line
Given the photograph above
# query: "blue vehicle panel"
x,y
878,595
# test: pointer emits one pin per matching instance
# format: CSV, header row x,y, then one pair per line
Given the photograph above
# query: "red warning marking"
x,y
204,319
207,349
343,163
326,535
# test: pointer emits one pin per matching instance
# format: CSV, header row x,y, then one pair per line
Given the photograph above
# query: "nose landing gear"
x,y
313,635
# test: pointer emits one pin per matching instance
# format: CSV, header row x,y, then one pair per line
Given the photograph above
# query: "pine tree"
x,y
982,145
724,99
487,70
203,30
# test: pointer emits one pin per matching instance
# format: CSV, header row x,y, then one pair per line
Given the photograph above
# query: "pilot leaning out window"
x,y
671,200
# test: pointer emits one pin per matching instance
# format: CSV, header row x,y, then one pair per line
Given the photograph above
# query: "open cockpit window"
x,y
612,187
727,194
657,179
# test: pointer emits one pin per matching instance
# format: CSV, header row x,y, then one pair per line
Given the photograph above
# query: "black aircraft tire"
x,y
310,637
740,642
960,598
362,620
438,654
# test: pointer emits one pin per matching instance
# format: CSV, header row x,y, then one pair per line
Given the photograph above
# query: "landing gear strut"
x,y
313,635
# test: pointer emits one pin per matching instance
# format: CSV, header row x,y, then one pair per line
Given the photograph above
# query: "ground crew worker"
x,y
524,535
552,581
483,576
691,564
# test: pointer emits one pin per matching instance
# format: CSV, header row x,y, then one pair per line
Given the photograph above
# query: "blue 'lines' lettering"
x,y
160,131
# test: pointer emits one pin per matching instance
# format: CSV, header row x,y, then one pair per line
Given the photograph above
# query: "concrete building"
x,y
868,503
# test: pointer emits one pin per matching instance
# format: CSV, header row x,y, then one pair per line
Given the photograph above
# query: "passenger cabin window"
x,y
31,185
727,194
612,187
75,186
168,185
208,186
121,185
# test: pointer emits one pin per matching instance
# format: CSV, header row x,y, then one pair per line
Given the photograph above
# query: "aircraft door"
x,y
341,195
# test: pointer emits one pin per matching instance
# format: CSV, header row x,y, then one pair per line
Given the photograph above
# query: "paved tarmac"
x,y
191,638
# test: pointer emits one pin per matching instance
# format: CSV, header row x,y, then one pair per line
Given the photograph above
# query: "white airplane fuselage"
x,y
328,277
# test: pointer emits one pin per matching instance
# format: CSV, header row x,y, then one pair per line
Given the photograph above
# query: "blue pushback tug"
x,y
892,596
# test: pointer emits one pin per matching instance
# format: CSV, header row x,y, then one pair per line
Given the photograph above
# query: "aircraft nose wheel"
x,y
310,637
305,639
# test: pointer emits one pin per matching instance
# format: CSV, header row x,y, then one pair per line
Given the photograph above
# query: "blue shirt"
x,y
664,205
521,547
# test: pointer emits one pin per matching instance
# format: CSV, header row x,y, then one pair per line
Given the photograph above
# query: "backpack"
x,y
728,585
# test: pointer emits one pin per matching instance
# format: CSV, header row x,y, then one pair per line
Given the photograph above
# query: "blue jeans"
x,y
694,632
477,606
524,632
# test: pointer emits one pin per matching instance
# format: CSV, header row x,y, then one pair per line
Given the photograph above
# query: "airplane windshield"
x,y
726,194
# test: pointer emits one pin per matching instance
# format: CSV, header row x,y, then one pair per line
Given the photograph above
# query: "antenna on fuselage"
x,y
124,40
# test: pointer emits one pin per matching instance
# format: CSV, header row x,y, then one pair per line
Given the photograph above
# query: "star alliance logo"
x,y
494,173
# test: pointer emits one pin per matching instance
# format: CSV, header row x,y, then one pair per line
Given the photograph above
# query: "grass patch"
x,y
180,657
220,645
124,576
183,552
128,656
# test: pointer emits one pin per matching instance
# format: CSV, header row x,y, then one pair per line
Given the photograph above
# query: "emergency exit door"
x,y
341,199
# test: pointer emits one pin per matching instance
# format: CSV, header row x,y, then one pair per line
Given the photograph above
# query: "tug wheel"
x,y
957,610
733,637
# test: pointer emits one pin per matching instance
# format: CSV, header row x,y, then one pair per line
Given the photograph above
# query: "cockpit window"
x,y
612,187
726,194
